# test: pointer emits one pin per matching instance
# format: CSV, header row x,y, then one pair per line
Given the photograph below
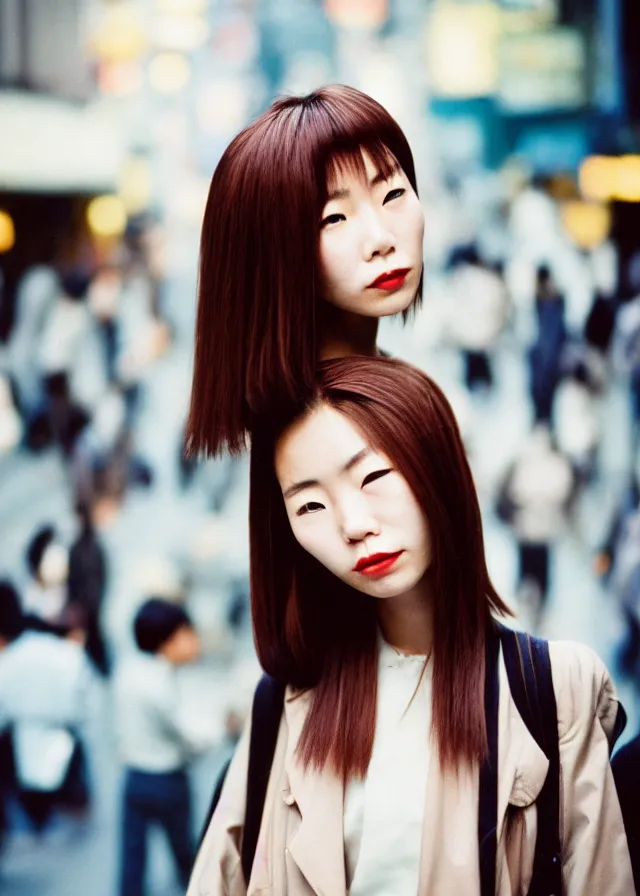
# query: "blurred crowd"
x,y
126,660
75,368
74,371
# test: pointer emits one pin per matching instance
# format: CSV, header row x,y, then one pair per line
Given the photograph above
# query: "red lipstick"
x,y
377,564
390,280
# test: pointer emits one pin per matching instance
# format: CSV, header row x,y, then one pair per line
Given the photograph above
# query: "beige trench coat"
x,y
300,848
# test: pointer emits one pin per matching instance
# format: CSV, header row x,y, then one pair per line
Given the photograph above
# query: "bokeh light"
x,y
134,187
120,34
461,49
7,232
357,13
107,216
587,223
169,72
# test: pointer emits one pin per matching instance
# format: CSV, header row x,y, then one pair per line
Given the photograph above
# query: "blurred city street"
x,y
179,529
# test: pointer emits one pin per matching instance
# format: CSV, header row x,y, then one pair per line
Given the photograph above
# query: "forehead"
x,y
316,446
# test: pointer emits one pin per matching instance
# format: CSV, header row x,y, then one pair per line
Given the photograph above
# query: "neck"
x,y
343,333
406,621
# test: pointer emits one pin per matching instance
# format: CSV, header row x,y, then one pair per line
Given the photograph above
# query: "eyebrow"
x,y
375,180
312,483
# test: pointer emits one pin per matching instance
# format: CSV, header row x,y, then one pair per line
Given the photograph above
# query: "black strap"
x,y
265,723
488,804
268,701
531,684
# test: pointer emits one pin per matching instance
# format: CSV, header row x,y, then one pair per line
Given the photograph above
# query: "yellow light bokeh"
x,y
587,223
134,187
611,177
120,35
7,232
462,49
107,216
628,189
169,72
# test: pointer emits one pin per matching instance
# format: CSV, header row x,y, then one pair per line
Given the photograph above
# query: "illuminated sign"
x,y
462,44
542,70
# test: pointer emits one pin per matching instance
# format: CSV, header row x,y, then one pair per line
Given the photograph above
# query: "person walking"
x,y
87,585
157,740
46,687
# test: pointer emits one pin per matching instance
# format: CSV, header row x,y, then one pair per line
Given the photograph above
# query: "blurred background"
x,y
524,119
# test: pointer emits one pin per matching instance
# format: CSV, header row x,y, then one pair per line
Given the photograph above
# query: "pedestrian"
x,y
372,604
626,355
157,739
624,579
577,422
47,560
546,352
293,268
45,706
535,498
478,314
87,585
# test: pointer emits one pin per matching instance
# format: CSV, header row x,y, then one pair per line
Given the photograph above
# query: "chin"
x,y
389,306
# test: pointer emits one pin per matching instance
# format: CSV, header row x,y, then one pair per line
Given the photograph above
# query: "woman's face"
x,y
371,242
348,506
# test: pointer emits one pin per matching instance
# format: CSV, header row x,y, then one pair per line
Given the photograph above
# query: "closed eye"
x,y
373,476
309,507
394,194
332,219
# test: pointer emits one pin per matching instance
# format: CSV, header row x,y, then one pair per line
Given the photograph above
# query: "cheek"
x,y
319,539
336,259
413,222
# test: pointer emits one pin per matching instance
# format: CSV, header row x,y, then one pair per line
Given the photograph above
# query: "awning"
x,y
50,145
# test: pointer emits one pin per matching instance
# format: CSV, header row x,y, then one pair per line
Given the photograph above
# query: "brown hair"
x,y
312,630
256,333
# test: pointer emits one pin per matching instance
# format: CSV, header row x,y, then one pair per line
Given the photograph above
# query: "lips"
x,y
390,280
376,564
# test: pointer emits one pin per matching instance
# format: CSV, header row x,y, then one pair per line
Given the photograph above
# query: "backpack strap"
x,y
268,702
488,797
266,712
530,681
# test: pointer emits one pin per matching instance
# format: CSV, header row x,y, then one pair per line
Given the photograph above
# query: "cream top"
x,y
383,814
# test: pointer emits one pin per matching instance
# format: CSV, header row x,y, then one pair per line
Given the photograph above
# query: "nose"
x,y
357,523
379,241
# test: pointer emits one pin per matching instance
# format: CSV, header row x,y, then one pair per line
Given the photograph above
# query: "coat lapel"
x,y
449,860
317,847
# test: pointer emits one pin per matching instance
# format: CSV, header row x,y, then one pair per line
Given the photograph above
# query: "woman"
x,y
312,232
371,599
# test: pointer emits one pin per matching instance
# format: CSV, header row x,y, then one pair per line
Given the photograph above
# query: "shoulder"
x,y
583,688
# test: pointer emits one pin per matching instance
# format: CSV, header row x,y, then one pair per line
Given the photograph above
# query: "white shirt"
x,y
44,692
383,814
156,728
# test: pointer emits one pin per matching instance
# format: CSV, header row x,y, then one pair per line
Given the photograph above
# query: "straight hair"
x,y
256,344
313,631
